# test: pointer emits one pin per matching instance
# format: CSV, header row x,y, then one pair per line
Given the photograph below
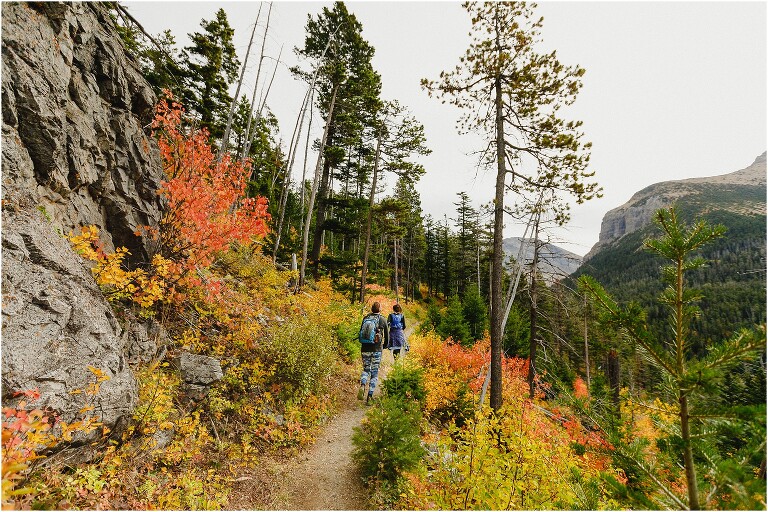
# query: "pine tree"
x,y
692,381
467,242
475,311
511,95
399,137
454,324
348,81
210,66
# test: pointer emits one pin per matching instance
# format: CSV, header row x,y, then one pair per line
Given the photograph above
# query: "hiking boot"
x,y
369,400
361,392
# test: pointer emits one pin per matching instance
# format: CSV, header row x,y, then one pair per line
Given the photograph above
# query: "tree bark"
x,y
369,223
497,330
586,343
690,469
614,377
534,313
312,195
397,283
317,241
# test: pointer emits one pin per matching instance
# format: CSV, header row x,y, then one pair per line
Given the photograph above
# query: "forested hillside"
x,y
185,274
733,281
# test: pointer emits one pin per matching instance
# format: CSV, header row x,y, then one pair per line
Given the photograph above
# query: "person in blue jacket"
x,y
396,323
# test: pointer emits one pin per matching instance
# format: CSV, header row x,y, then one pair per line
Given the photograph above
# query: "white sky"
x,y
672,90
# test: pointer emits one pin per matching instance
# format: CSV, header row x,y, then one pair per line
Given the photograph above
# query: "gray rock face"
x,y
76,146
74,110
56,323
145,341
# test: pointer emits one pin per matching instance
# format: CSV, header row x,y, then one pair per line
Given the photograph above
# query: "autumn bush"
x,y
510,460
517,458
299,355
133,471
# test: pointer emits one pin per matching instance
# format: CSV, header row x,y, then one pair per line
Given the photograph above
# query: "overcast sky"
x,y
672,90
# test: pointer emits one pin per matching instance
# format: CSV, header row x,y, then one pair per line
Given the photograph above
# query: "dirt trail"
x,y
324,477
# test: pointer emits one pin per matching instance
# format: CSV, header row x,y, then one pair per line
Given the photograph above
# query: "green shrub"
x,y
298,355
406,382
387,442
346,333
434,317
453,323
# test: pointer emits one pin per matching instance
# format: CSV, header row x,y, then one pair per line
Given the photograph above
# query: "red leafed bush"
x,y
207,208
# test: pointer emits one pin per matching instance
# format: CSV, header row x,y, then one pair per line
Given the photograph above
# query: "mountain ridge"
x,y
554,261
738,191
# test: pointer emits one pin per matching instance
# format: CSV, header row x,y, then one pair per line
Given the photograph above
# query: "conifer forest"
x,y
186,269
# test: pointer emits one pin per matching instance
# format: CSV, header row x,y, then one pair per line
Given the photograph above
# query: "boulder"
x,y
58,329
145,340
198,370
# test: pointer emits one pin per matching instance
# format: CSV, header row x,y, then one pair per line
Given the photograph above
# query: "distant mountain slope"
x,y
554,261
734,281
741,192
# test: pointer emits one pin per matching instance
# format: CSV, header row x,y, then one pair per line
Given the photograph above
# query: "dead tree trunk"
x,y
233,106
533,344
614,376
248,134
313,194
292,150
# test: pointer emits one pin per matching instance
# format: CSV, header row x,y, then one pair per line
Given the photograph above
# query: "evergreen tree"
x,y
511,95
398,138
475,311
467,242
159,65
691,381
157,56
414,240
348,81
210,66
454,324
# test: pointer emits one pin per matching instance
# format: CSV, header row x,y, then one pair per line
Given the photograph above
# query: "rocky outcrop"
x,y
75,111
76,150
638,211
57,324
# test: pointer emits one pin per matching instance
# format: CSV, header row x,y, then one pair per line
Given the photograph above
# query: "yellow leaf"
x,y
96,371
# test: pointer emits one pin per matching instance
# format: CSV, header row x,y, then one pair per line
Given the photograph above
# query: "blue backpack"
x,y
369,329
397,321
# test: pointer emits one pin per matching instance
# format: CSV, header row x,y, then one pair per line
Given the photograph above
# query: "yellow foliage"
x,y
145,289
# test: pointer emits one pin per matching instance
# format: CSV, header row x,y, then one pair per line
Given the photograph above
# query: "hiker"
x,y
396,323
373,336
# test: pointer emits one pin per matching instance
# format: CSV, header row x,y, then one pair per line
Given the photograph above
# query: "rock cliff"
x,y
638,211
74,111
76,151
